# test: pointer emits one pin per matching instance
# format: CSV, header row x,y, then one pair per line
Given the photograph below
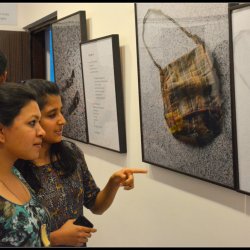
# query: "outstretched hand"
x,y
125,177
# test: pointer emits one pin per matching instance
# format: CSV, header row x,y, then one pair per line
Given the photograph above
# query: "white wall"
x,y
165,208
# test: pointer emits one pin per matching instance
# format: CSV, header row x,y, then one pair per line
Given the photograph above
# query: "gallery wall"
x,y
166,208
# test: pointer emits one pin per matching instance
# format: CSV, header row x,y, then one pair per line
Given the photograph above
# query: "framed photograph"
x,y
103,92
185,89
67,33
240,18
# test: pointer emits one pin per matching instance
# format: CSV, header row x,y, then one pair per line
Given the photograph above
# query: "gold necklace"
x,y
12,191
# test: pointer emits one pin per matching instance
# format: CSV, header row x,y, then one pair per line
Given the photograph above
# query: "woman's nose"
x,y
61,120
41,131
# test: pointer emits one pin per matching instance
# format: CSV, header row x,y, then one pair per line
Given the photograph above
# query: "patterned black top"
x,y
65,197
20,225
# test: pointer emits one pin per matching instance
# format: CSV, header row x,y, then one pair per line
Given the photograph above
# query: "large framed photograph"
x,y
240,18
67,33
103,92
185,89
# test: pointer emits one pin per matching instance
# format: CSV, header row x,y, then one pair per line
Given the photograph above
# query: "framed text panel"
x,y
103,93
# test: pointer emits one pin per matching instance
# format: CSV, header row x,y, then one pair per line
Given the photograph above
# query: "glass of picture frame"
x,y
102,79
67,33
240,61
160,41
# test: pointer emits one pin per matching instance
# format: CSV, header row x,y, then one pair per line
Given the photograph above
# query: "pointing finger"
x,y
137,170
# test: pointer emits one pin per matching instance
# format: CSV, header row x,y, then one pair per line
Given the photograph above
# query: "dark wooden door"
x,y
38,62
16,46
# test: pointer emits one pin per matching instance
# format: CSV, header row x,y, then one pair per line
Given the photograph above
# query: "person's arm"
x,y
123,177
70,235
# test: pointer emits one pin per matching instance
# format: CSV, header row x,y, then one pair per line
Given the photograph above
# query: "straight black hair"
x,y
13,97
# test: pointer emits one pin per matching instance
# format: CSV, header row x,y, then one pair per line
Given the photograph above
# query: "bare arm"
x,y
123,177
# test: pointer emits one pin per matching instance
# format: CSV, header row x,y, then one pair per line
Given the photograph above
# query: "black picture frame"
x,y
67,33
214,162
240,61
101,71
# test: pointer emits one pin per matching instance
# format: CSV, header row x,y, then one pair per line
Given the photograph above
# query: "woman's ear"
x,y
5,75
2,135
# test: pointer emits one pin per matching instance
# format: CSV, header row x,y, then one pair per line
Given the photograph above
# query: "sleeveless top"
x,y
20,225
